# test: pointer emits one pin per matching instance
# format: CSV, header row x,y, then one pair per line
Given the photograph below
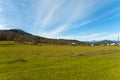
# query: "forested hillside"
x,y
21,36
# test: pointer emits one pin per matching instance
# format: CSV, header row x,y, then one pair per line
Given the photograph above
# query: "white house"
x,y
112,44
73,44
92,44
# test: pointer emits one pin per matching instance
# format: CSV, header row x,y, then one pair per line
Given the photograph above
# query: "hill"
x,y
103,42
18,35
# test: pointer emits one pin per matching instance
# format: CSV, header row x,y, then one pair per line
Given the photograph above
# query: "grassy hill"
x,y
50,62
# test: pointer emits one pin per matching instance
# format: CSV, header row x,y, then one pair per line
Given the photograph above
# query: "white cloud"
x,y
1,9
3,27
10,15
58,30
100,36
90,37
47,19
53,12
110,36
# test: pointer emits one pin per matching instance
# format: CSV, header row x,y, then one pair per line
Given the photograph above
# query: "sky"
x,y
83,20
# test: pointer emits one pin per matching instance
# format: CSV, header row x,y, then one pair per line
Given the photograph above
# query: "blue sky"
x,y
68,19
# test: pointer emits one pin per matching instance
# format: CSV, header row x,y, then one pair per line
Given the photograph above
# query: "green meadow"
x,y
51,62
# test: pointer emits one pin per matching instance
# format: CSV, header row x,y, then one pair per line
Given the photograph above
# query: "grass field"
x,y
30,62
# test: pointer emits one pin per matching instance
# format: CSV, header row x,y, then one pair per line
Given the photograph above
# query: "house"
x,y
73,44
108,44
92,44
112,44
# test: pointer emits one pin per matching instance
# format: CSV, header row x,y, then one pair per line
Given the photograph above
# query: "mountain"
x,y
108,41
18,35
102,42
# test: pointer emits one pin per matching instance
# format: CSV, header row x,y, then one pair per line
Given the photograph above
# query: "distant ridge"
x,y
102,41
19,35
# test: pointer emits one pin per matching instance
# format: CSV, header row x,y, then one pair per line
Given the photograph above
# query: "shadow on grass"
x,y
17,60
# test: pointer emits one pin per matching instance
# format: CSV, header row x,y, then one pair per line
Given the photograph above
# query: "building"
x,y
73,44
92,44
112,44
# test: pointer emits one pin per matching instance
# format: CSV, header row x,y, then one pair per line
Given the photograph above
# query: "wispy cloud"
x,y
106,36
9,14
47,19
58,13
91,37
3,27
16,14
1,9
54,18
58,30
